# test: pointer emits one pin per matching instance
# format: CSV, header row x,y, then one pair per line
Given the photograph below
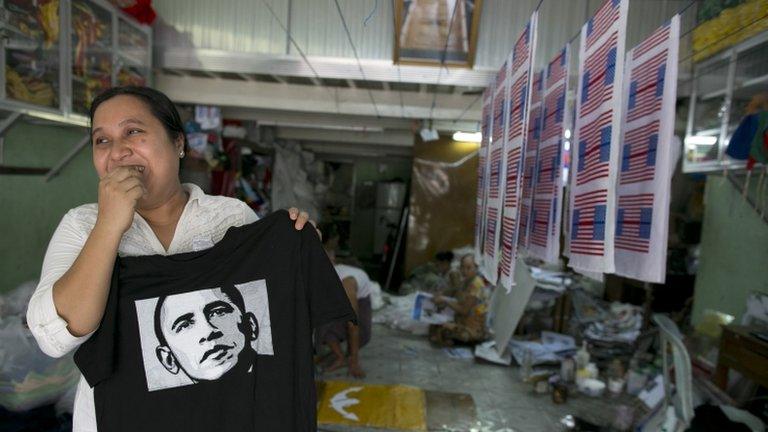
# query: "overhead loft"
x,y
336,111
338,68
318,98
332,121
287,83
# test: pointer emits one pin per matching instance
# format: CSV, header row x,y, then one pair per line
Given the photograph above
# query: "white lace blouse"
x,y
203,223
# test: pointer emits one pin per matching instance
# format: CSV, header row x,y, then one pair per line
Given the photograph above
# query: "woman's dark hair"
x,y
445,256
158,103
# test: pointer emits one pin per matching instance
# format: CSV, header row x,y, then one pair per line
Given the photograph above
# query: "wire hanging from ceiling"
x,y
354,51
301,52
442,60
578,32
399,80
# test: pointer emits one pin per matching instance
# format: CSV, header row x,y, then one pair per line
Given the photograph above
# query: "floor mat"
x,y
373,405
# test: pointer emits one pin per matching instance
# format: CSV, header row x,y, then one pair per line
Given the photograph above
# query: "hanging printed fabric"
x,y
482,174
492,218
519,93
646,163
596,141
544,242
529,161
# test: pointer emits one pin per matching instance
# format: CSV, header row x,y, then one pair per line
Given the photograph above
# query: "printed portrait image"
x,y
204,335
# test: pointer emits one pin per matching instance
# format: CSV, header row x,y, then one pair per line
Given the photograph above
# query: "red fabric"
x,y
142,10
223,181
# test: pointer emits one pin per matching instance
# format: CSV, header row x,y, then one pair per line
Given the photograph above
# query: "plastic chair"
x,y
682,400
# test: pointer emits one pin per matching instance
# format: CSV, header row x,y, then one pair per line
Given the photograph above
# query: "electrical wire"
x,y
298,48
471,104
354,51
679,11
738,30
578,32
442,59
399,81
370,15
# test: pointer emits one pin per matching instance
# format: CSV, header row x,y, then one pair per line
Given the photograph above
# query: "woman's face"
x,y
125,133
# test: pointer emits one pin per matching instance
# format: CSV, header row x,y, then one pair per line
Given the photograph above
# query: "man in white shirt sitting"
x,y
357,284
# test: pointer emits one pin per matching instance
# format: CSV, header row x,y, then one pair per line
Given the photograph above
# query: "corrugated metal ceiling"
x,y
247,26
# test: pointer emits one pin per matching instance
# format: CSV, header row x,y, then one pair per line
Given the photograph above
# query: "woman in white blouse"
x,y
143,209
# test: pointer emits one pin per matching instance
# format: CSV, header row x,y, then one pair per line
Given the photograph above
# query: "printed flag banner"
x,y
596,139
494,194
544,241
529,162
646,162
482,175
519,94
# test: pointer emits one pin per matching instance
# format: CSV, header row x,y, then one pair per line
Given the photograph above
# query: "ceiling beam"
x,y
389,138
271,117
326,67
358,150
210,74
291,97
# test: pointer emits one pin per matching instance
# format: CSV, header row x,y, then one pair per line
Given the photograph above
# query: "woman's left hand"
x,y
301,218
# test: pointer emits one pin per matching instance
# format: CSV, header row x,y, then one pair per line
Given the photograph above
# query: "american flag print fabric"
x,y
519,96
546,214
633,223
588,223
595,148
529,161
482,175
495,172
601,23
646,165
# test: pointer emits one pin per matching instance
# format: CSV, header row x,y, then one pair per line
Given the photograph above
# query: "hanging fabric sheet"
x,y
519,94
544,242
492,218
596,143
646,163
529,162
482,175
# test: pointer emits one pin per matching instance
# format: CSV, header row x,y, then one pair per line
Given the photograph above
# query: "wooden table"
x,y
742,351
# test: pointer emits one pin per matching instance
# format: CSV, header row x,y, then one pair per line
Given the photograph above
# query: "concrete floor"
x,y
503,403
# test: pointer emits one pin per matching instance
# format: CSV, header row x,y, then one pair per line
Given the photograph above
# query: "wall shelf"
x,y
722,87
54,74
52,71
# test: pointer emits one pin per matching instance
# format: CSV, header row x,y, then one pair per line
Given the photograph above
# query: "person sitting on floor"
x,y
470,310
357,284
433,277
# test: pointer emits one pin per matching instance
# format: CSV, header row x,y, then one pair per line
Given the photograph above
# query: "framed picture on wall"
x,y
427,30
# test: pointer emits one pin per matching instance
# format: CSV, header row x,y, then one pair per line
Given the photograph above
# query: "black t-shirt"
x,y
216,340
